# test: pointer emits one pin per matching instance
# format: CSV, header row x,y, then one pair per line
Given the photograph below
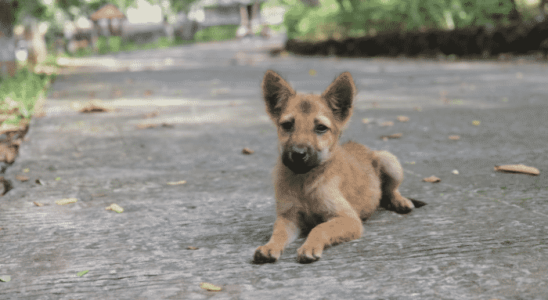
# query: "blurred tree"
x,y
7,42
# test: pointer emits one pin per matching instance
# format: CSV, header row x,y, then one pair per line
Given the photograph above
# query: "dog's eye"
x,y
287,126
321,128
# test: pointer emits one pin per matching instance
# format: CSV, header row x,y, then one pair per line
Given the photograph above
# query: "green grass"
x,y
216,33
18,94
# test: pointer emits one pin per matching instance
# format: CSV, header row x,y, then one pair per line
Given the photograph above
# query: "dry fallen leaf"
x,y
115,207
147,93
456,172
192,248
66,201
247,151
312,72
387,123
146,126
92,106
476,123
151,114
7,154
38,204
432,179
392,136
21,178
176,182
403,118
454,137
523,169
210,287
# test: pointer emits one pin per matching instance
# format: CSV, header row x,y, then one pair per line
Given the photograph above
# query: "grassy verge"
x,y
216,33
19,94
114,44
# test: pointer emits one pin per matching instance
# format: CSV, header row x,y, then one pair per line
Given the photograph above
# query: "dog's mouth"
x,y
300,163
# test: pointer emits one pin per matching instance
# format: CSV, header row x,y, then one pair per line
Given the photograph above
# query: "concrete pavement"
x,y
481,236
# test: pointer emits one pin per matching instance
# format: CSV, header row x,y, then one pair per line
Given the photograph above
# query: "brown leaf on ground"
x,y
392,136
403,118
92,106
521,169
192,248
247,151
210,287
21,178
7,154
454,137
432,179
147,93
151,114
38,204
146,126
386,124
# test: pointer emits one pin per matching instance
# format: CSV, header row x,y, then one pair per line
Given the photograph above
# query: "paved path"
x,y
483,235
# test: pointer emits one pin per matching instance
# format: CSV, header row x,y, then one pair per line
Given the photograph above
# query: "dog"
x,y
324,189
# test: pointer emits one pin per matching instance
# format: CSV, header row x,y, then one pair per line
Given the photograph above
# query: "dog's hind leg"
x,y
391,178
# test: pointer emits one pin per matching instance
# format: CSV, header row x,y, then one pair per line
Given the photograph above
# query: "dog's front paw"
x,y
309,253
266,254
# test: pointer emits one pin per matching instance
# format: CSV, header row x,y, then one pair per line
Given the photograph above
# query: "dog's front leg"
x,y
337,230
285,231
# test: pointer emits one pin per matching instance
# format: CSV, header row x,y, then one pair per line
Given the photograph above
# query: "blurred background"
x,y
36,35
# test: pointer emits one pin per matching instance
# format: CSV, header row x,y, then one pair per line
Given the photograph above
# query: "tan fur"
x,y
328,195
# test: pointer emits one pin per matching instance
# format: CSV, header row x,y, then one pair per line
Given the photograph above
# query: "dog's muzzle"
x,y
300,160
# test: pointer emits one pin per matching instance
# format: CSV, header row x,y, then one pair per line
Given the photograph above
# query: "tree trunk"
x,y
514,14
7,42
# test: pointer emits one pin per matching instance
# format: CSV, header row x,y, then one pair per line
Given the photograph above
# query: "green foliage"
x,y
216,33
19,93
342,18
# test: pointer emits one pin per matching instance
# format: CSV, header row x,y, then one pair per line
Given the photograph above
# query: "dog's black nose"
x,y
298,155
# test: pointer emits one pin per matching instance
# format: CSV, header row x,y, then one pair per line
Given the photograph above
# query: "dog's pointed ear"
x,y
340,95
276,92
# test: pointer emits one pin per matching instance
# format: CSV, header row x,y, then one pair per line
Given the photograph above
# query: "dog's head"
x,y
309,126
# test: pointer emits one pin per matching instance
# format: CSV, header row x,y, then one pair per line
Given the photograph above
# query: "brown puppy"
x,y
322,188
